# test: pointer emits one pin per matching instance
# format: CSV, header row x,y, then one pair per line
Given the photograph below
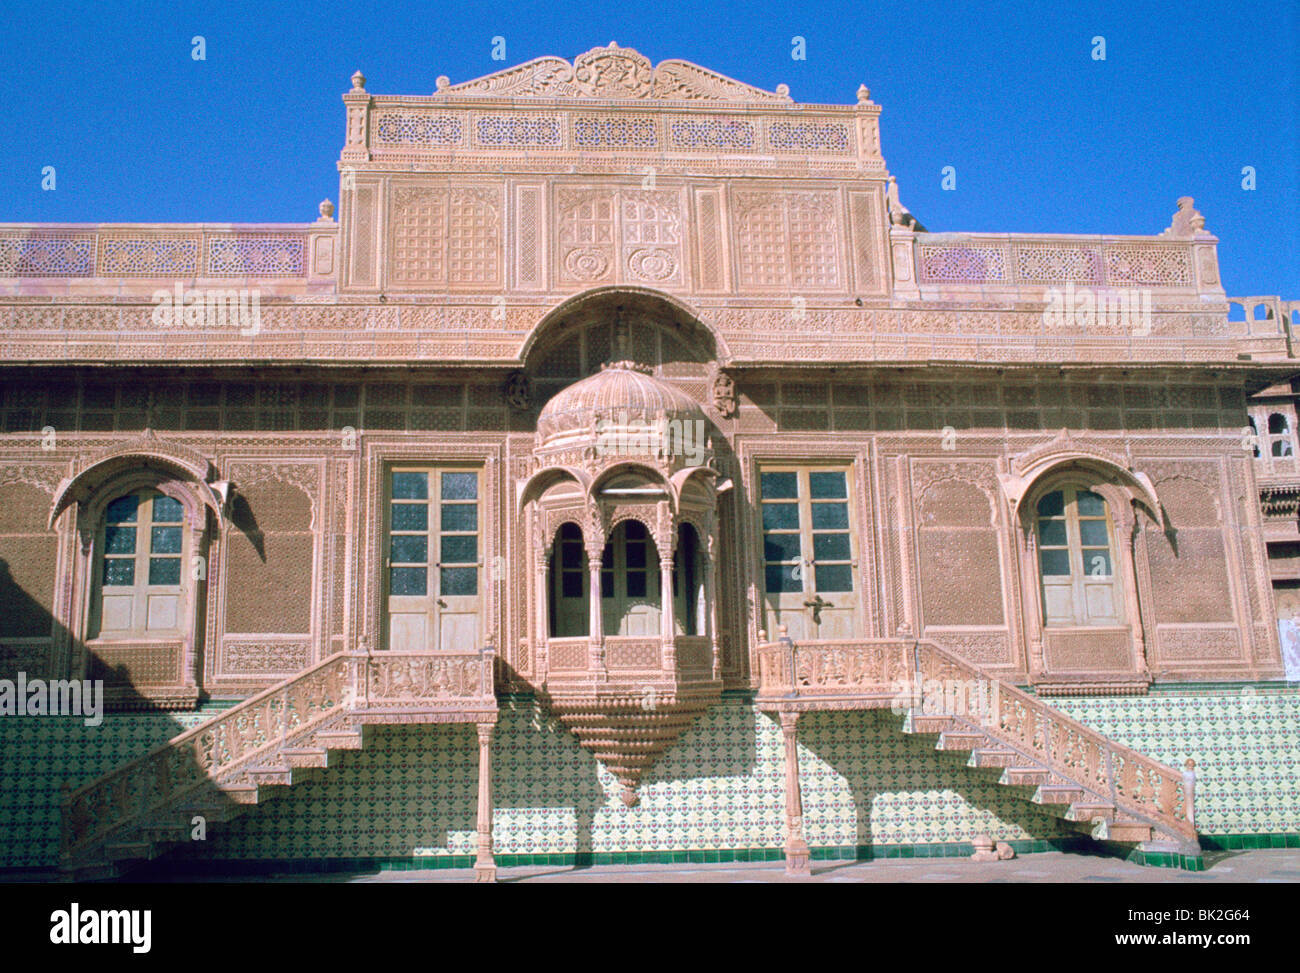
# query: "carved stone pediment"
x,y
612,73
1064,450
145,451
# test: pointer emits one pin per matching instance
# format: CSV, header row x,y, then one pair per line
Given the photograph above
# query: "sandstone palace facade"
x,y
625,408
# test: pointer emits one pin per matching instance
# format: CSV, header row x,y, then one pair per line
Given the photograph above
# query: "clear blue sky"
x,y
1042,137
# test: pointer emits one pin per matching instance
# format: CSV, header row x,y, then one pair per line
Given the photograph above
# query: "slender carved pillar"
x,y
796,848
1032,592
596,625
542,621
78,654
485,866
711,607
667,622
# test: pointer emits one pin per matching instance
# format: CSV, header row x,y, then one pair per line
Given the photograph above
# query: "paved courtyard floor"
x,y
1274,866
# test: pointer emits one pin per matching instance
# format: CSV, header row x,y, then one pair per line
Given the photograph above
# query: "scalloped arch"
x,y
146,453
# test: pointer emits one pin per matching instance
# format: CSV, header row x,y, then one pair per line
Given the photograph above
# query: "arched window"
x,y
629,582
140,580
569,612
688,583
1279,434
1077,559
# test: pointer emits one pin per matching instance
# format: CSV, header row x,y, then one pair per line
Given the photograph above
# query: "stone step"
x,y
302,758
993,757
124,850
1058,794
960,740
1134,832
925,723
349,739
274,775
1090,812
172,830
1023,776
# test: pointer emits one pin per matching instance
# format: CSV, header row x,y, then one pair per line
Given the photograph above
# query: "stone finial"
x,y
443,82
783,90
864,95
358,81
1187,221
326,211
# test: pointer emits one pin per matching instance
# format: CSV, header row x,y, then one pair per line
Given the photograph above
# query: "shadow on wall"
x,y
412,793
904,791
39,754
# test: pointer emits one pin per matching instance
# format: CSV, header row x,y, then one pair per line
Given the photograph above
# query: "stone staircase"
x,y
1099,787
254,751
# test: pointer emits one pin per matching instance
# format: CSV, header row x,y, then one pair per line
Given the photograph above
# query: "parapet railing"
x,y
179,250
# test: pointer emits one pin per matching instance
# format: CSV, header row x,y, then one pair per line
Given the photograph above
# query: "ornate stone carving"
x,y
611,73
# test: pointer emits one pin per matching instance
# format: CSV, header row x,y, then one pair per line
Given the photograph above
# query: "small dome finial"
x,y
326,211
358,81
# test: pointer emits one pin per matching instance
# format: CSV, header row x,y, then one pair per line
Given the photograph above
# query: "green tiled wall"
x,y
411,793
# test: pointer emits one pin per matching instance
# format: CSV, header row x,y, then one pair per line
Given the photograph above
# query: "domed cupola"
x,y
622,411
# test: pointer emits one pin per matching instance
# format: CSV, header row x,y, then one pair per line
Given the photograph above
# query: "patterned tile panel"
x,y
411,793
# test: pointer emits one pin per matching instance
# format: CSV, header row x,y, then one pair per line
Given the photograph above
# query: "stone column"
x,y
542,621
667,617
1126,535
485,866
711,609
596,624
796,848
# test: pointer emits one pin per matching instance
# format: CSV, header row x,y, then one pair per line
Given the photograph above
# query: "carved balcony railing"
x,y
1267,316
346,688
424,687
1054,260
816,675
923,678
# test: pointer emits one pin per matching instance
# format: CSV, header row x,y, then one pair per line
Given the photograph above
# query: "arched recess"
x,y
1110,653
605,302
154,659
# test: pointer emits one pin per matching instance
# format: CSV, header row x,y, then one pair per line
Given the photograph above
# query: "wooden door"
x,y
434,560
570,617
1076,559
809,553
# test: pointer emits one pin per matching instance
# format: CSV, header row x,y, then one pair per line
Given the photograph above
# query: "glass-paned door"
x,y
810,566
434,558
